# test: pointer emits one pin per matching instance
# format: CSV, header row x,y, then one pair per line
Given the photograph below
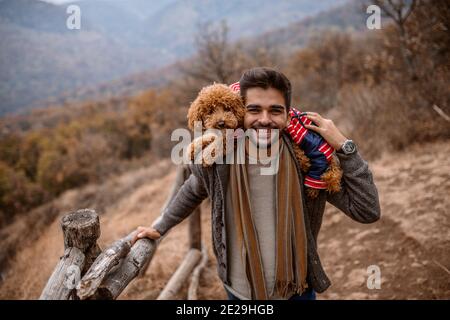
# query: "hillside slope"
x,y
41,59
410,243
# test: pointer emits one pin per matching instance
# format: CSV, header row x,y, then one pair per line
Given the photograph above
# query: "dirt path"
x,y
410,244
408,269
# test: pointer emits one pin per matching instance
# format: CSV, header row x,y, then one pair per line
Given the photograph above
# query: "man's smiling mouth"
x,y
264,136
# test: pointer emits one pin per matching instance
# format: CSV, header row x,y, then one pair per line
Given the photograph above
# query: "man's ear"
x,y
288,119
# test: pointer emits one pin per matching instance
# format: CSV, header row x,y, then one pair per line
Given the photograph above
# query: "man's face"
x,y
265,110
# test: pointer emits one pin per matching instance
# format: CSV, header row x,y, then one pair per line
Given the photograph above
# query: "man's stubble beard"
x,y
263,139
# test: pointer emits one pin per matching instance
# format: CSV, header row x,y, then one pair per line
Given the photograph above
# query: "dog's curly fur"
x,y
219,107
216,107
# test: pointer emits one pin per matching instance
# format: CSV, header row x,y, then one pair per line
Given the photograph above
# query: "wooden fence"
x,y
86,272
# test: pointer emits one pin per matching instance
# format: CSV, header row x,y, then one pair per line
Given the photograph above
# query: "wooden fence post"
x,y
181,275
195,230
81,229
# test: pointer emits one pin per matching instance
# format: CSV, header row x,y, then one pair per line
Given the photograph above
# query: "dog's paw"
x,y
333,176
205,149
213,152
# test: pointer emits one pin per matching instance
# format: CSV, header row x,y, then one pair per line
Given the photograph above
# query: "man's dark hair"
x,y
263,77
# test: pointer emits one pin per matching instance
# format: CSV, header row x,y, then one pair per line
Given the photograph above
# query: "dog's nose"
x,y
221,124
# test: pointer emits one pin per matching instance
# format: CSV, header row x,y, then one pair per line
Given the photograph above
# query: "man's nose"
x,y
265,118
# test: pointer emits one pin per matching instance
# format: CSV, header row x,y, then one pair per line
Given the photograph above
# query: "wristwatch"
x,y
348,147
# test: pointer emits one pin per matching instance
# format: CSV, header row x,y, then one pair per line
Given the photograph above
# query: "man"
x,y
264,228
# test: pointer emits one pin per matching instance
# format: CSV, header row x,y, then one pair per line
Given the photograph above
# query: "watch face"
x,y
349,147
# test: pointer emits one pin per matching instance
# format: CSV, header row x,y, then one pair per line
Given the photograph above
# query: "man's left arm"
x,y
358,197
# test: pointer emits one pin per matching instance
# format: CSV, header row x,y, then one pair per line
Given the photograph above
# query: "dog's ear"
x,y
239,110
193,115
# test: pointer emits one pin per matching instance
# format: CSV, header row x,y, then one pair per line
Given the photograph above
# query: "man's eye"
x,y
277,111
252,110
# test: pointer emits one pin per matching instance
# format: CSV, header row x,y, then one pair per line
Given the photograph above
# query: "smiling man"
x,y
264,229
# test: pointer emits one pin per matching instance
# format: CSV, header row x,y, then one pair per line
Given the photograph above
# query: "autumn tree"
x,y
399,11
319,70
17,193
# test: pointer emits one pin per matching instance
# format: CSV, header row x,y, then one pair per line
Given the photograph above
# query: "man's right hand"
x,y
145,232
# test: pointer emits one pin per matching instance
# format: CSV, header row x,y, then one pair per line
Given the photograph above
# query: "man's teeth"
x,y
263,132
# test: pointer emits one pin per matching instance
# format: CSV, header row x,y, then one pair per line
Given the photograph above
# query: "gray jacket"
x,y
358,199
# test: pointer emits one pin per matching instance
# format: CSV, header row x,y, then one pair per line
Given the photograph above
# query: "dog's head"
x,y
218,107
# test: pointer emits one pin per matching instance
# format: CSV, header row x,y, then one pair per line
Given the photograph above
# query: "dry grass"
x,y
384,119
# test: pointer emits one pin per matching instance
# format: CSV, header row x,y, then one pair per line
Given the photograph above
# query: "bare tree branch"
x,y
216,59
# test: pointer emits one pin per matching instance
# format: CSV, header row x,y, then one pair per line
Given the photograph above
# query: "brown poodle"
x,y
216,107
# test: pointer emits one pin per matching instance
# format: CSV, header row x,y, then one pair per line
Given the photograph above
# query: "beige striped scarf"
x,y
291,250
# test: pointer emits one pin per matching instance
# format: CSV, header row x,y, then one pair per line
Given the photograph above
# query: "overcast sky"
x,y
58,1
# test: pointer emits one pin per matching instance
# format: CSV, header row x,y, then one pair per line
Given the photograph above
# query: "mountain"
x,y
41,59
350,16
176,23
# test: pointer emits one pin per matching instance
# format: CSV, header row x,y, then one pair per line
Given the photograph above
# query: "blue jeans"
x,y
309,294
